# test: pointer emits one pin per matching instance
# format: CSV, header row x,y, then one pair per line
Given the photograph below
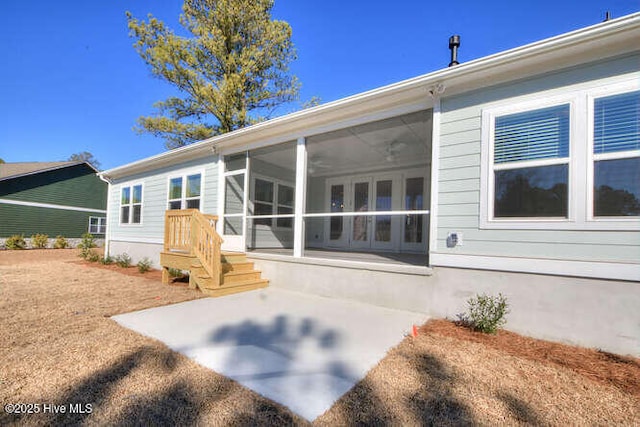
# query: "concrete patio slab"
x,y
300,350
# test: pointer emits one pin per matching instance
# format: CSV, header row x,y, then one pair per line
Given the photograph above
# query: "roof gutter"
x,y
464,77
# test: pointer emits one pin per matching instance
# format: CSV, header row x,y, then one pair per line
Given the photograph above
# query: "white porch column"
x,y
301,191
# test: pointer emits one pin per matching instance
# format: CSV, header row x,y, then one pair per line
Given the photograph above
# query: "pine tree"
x,y
232,72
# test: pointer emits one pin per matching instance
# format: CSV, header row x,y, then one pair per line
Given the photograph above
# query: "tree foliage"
x,y
85,156
231,72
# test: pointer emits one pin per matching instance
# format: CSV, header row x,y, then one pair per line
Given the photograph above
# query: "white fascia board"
x,y
554,267
607,39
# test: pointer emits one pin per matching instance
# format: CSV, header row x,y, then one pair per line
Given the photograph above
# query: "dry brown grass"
x,y
58,345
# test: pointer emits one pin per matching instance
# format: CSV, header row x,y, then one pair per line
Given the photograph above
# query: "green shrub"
x,y
144,265
93,256
123,260
60,243
85,245
88,241
16,242
106,260
39,241
486,313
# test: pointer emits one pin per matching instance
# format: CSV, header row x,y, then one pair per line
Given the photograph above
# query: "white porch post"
x,y
301,191
435,173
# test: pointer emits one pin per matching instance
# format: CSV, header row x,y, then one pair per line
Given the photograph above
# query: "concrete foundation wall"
x,y
587,312
137,251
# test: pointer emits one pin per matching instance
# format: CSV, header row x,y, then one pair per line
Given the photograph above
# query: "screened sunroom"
x,y
358,193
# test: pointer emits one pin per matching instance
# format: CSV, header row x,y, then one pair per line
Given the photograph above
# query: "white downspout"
x,y
107,234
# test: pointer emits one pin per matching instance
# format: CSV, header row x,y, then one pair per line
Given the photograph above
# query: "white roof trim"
x,y
594,42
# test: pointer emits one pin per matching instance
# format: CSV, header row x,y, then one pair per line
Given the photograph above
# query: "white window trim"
x,y
102,222
183,199
131,204
274,205
580,197
609,90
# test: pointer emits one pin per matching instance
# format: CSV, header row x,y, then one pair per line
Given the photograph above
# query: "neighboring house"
x,y
516,173
53,198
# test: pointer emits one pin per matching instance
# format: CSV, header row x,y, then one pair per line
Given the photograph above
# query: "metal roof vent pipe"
x,y
454,44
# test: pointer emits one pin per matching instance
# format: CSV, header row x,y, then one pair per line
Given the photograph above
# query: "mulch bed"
x,y
622,372
132,271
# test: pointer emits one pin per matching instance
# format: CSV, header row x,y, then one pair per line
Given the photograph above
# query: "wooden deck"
x,y
192,244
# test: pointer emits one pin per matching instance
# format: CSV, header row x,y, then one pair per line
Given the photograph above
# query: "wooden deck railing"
x,y
191,231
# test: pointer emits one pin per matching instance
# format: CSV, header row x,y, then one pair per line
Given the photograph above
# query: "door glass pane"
x,y
414,200
234,194
360,204
617,187
383,203
532,192
337,205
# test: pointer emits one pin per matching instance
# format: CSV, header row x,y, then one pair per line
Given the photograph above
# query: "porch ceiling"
x,y
386,144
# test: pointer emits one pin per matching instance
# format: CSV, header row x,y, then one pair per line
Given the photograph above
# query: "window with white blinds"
x,y
563,160
616,125
523,189
532,135
616,155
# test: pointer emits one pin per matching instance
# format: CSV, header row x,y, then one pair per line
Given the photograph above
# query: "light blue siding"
x,y
459,177
155,199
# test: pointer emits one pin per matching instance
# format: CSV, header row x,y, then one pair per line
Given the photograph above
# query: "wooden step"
x,y
237,266
234,257
238,287
240,276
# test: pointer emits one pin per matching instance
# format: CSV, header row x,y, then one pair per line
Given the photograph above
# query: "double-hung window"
x,y
531,163
185,192
616,155
97,225
131,204
565,162
272,198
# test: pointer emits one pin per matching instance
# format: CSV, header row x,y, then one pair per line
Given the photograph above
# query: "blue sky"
x,y
71,81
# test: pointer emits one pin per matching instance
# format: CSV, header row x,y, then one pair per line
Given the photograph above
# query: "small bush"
x,y
92,256
144,265
88,241
60,243
16,242
106,260
39,241
85,245
123,260
486,313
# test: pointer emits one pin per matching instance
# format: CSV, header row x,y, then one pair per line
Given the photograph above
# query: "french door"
x,y
360,195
